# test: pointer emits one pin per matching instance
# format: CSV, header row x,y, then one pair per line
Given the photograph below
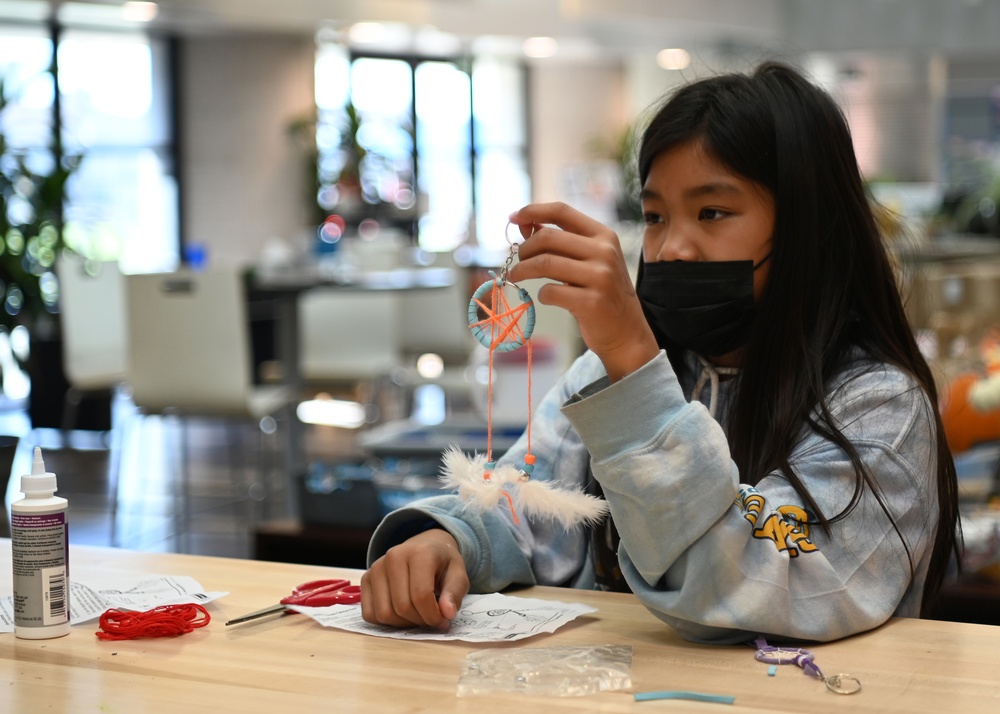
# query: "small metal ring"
x,y
506,234
843,684
515,243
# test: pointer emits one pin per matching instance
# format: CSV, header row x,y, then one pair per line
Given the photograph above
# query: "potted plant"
x,y
333,181
31,237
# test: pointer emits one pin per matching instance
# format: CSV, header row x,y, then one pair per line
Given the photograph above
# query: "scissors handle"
x,y
321,593
314,586
315,593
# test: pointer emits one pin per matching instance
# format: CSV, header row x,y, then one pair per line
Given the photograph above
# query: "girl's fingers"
x,y
560,268
400,588
528,229
425,570
558,214
584,261
572,259
566,232
376,600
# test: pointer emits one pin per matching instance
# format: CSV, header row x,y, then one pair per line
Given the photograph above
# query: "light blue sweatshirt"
x,y
718,560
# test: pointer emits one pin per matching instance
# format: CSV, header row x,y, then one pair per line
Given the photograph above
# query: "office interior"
x,y
307,147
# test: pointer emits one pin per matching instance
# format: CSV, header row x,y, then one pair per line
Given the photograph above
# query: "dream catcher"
x,y
837,683
500,326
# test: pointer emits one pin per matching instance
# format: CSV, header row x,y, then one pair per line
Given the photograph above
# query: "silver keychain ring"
x,y
843,684
506,234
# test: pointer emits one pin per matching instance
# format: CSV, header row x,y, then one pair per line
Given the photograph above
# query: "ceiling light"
x,y
673,59
430,366
331,412
540,47
139,11
431,41
366,33
385,36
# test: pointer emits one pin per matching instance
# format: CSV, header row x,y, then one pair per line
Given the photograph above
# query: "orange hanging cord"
x,y
504,334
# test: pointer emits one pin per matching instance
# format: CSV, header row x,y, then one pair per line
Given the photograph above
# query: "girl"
x,y
755,411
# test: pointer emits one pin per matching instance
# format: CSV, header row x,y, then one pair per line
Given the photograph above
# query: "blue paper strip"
x,y
694,696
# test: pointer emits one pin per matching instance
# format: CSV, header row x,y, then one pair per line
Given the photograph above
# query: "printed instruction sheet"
x,y
481,618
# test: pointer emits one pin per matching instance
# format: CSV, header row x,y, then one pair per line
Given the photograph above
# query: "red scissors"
x,y
315,593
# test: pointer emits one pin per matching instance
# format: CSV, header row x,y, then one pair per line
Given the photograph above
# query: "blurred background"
x,y
353,164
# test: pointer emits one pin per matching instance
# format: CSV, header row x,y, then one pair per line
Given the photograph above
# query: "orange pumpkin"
x,y
964,425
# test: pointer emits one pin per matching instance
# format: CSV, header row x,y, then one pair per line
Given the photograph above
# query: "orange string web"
x,y
504,325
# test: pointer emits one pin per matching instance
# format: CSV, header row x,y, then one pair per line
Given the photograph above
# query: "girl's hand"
x,y
419,582
585,260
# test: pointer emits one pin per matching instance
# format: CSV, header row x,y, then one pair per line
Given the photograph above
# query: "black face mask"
x,y
703,306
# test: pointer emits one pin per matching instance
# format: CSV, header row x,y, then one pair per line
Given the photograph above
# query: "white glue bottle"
x,y
40,546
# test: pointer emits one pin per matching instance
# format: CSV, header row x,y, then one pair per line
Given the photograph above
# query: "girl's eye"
x,y
711,214
652,218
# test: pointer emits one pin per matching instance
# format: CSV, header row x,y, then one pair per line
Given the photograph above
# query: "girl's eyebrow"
x,y
709,189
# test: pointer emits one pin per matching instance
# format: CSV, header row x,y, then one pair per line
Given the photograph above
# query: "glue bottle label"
x,y
40,556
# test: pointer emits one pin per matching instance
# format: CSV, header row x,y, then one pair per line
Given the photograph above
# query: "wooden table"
x,y
293,665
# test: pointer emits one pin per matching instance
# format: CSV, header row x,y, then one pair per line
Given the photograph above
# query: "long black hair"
x,y
777,129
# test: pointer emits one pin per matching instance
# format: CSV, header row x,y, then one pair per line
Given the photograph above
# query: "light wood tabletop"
x,y
293,665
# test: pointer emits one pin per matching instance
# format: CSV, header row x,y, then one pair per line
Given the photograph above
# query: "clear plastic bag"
x,y
547,671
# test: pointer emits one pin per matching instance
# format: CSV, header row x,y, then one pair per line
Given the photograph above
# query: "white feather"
x,y
458,469
465,475
570,508
507,474
538,499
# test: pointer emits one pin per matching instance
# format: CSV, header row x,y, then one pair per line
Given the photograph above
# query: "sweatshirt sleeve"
x,y
497,552
721,561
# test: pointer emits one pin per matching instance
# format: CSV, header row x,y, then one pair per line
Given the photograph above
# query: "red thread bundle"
x,y
162,621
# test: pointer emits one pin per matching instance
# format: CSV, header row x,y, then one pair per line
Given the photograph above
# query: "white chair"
x,y
436,322
347,335
349,339
189,356
92,311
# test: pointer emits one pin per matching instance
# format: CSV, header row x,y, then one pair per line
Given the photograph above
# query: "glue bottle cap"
x,y
39,480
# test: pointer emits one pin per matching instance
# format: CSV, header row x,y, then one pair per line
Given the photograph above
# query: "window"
x,y
25,56
444,149
121,200
502,177
435,147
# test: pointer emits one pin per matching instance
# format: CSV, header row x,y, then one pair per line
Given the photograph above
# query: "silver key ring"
x,y
843,684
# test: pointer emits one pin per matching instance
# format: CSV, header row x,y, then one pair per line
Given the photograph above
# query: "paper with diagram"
x,y
481,618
